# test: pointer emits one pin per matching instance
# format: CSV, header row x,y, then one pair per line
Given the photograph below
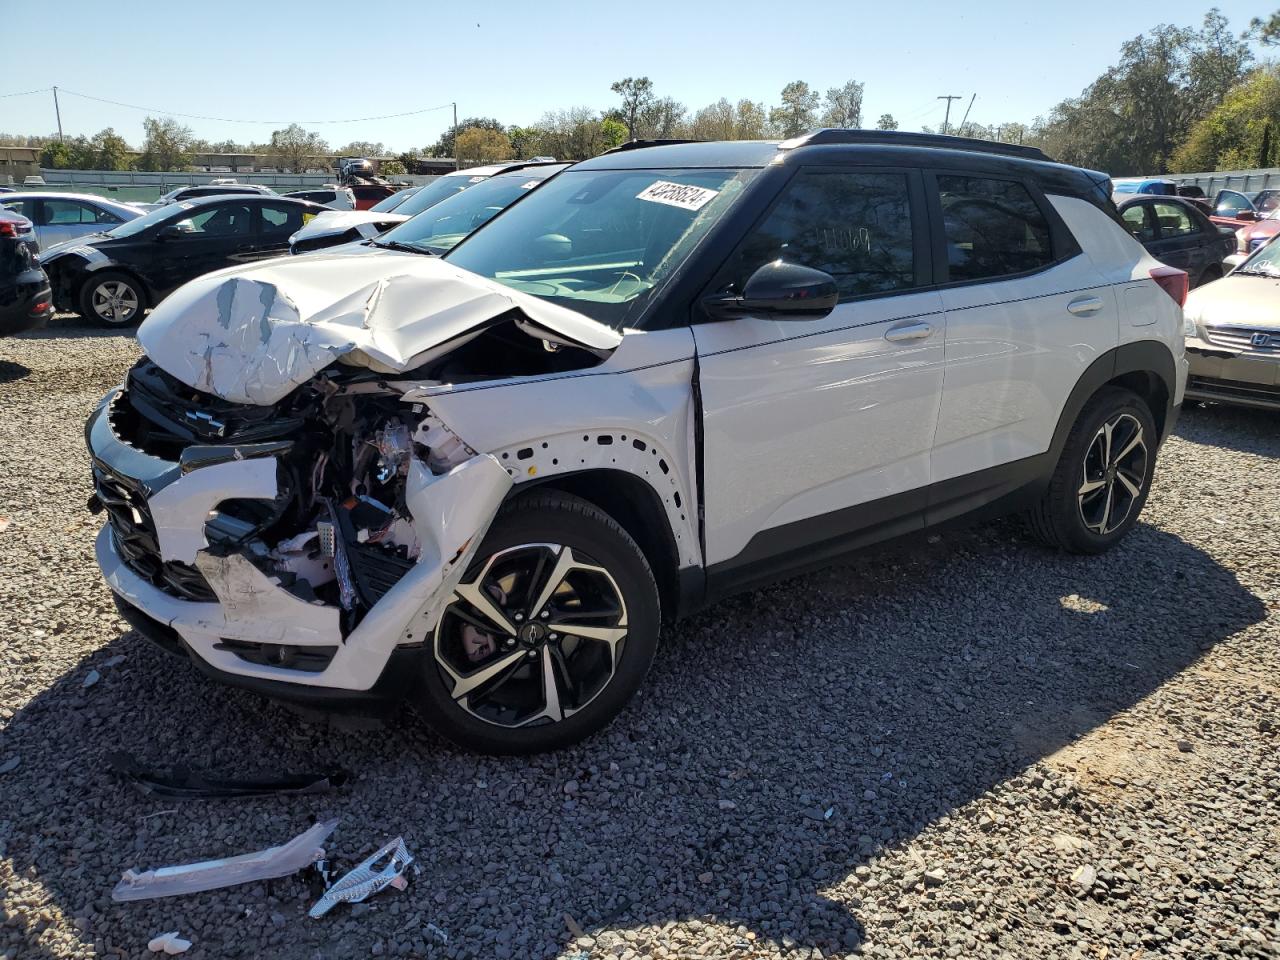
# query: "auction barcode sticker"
x,y
681,195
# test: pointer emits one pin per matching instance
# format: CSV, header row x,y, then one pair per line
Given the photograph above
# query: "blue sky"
x,y
336,60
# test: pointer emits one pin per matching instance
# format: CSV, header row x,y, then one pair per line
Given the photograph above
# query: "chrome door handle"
x,y
1085,306
908,331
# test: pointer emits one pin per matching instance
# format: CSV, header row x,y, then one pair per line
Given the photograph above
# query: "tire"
x,y
96,303
1068,515
604,585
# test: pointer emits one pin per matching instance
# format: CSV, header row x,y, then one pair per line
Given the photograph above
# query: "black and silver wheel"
x,y
548,635
112,299
1102,479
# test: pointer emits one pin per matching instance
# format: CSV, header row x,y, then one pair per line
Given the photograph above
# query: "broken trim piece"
x,y
180,509
367,878
182,784
267,864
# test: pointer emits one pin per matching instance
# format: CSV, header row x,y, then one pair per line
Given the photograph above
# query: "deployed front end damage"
x,y
302,524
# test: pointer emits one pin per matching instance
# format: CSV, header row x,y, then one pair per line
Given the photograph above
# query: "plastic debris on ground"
x,y
169,943
182,784
385,868
268,864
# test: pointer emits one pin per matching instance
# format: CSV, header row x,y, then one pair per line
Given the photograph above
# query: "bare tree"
x,y
844,106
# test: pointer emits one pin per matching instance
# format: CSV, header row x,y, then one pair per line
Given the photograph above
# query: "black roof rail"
x,y
906,139
640,144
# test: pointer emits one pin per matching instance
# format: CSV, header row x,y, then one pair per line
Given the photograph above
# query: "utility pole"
x,y
966,113
947,121
455,135
58,113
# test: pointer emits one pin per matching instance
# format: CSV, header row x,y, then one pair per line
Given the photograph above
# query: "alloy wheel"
x,y
115,301
1115,468
533,638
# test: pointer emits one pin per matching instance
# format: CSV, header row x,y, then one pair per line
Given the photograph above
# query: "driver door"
x,y
212,236
817,433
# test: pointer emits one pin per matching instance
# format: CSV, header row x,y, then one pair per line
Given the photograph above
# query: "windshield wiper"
x,y
403,247
1269,272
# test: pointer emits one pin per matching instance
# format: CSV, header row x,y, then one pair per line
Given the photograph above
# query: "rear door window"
x,y
1137,218
1174,220
854,226
993,228
280,220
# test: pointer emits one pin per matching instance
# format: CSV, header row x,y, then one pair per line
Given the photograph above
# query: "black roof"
x,y
870,147
242,197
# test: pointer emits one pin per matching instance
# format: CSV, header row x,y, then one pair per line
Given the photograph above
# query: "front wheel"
x,y
548,636
112,299
1102,479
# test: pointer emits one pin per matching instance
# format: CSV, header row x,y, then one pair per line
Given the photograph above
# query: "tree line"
x,y
1178,99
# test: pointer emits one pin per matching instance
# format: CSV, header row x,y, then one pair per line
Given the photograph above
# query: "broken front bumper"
x,y
226,607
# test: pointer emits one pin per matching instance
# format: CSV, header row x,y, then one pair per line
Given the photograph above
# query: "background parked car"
x,y
113,277
1232,333
1177,232
25,298
1234,209
65,216
332,196
1135,185
464,213
209,190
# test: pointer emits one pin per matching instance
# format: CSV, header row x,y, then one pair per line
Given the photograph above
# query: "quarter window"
x,y
1174,220
993,228
854,226
1139,224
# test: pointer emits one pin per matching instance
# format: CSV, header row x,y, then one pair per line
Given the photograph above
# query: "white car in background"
x,y
66,216
330,195
328,230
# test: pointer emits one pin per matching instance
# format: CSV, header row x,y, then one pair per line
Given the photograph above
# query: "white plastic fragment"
x,y
169,943
214,874
92,677
383,869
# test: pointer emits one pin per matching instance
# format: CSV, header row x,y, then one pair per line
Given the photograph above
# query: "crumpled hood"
x,y
1236,301
253,334
335,222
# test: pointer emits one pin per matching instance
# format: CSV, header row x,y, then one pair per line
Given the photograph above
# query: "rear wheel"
x,y
1102,479
112,299
548,636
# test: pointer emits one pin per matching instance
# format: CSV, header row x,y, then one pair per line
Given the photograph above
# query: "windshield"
x,y
1265,262
435,191
133,227
601,241
387,204
437,230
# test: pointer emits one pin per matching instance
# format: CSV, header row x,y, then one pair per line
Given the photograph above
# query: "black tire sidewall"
x,y
593,534
111,276
1108,406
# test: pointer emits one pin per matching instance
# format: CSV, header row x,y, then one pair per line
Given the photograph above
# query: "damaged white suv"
x,y
484,480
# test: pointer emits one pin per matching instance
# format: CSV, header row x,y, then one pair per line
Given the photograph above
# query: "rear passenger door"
x,y
807,423
277,222
1178,241
1026,313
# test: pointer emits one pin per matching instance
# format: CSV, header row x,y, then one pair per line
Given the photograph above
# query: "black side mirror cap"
x,y
171,232
780,290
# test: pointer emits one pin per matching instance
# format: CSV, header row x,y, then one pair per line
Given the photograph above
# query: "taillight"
x,y
1172,281
8,228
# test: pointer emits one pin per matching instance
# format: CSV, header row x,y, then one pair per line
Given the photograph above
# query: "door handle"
x,y
908,331
1085,306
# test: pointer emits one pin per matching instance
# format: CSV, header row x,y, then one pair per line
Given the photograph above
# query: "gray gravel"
x,y
964,746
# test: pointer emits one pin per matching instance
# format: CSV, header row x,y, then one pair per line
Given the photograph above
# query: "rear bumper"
x,y
1231,376
30,306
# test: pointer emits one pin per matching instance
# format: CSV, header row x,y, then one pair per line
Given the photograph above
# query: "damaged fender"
x,y
254,334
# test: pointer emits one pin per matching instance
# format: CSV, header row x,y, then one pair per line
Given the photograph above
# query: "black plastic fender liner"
x,y
180,783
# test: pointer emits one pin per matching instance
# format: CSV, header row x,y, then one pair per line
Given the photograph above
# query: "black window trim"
x,y
1148,214
1197,227
919,232
1062,244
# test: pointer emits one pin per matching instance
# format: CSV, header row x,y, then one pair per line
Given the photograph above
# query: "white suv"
x,y
484,480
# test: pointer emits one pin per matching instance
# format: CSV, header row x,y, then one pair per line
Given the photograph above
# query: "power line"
x,y
25,93
200,116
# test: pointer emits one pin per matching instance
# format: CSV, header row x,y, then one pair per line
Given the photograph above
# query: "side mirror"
x,y
171,232
781,290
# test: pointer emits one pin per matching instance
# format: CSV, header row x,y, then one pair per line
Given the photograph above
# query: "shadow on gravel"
x,y
891,692
70,326
11,372
1235,428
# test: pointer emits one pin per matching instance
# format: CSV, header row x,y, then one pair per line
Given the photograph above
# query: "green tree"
x,y
661,119
751,121
1238,133
392,168
55,155
110,151
477,145
296,149
361,148
167,145
637,95
798,110
1266,31
886,122
844,106
444,147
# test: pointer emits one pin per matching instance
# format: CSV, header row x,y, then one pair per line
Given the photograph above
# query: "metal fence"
x,y
1246,181
136,185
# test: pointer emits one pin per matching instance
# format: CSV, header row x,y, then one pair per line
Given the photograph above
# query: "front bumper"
x,y
1227,375
255,632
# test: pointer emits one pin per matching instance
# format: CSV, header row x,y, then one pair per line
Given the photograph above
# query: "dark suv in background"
x,y
25,299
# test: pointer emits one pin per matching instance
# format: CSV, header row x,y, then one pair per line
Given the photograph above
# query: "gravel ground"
x,y
964,746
